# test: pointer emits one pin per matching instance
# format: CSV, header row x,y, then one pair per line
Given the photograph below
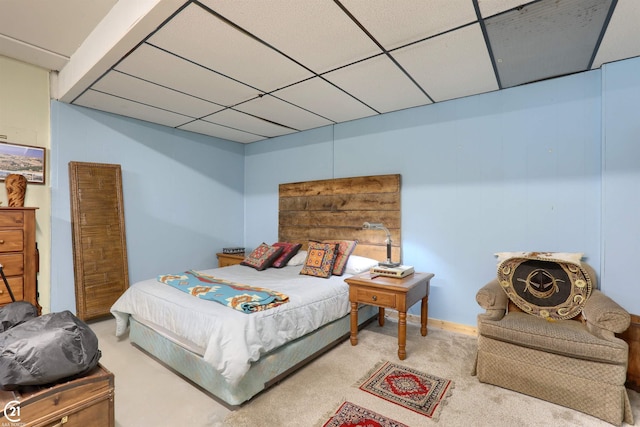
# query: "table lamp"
x,y
379,226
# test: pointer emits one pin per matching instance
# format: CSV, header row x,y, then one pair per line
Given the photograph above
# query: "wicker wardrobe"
x,y
99,240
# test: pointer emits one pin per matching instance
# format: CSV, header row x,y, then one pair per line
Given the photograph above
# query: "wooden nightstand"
x,y
225,260
387,292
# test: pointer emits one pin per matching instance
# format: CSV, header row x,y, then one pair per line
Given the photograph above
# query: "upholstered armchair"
x,y
547,332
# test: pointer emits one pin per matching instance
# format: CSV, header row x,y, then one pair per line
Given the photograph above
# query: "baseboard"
x,y
436,323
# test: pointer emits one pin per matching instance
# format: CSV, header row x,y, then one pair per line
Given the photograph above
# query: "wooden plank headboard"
x,y
337,208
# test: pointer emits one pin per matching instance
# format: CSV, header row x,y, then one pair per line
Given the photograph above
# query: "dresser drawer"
x,y
16,287
11,240
376,297
11,218
12,264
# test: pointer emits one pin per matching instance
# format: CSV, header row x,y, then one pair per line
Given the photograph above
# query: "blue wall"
x,y
183,193
621,181
512,170
551,166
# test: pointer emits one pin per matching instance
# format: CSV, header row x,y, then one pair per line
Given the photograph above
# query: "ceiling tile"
x,y
452,65
12,48
545,39
135,89
279,111
212,129
71,21
324,99
491,7
380,83
266,68
238,120
201,37
168,70
317,34
622,39
113,104
399,22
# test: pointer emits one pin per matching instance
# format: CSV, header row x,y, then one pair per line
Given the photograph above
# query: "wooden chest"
x,y
83,402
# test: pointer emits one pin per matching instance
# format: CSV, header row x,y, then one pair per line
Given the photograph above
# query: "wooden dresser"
x,y
19,255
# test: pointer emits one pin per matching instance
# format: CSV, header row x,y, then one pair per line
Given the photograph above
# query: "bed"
x,y
199,339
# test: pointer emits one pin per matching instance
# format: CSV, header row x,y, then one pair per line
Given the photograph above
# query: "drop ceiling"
x,y
248,70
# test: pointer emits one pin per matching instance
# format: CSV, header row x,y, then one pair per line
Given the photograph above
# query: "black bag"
x,y
16,313
46,349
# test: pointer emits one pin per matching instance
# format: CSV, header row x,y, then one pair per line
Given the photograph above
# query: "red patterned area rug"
x,y
350,415
407,387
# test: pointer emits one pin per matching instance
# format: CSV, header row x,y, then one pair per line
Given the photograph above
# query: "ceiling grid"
x,y
248,70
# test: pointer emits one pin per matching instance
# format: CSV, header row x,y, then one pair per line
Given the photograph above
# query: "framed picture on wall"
x,y
25,160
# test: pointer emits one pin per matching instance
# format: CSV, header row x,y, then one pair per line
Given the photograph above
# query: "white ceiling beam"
x,y
126,25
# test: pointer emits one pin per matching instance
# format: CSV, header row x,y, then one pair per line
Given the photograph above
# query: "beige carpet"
x,y
148,394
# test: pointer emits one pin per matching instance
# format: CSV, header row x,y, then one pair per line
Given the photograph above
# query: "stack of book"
x,y
235,250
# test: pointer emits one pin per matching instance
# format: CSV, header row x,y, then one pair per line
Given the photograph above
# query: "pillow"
x,y
544,286
345,248
288,251
320,259
298,259
262,256
359,264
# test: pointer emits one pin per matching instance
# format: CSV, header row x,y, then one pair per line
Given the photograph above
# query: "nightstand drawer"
x,y
376,297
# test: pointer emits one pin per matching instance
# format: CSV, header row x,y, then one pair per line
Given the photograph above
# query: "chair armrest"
x,y
493,299
602,312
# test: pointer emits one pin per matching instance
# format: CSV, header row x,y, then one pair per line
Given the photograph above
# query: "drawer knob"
x,y
1,292
1,241
374,298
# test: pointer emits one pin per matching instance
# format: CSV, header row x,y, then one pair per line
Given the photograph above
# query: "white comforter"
x,y
232,339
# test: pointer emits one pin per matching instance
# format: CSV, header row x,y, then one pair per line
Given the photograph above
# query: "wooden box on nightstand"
x,y
82,402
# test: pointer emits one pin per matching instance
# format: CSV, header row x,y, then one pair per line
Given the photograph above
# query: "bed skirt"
x,y
271,368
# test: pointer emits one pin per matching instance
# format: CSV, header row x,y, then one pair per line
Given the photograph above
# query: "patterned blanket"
x,y
247,299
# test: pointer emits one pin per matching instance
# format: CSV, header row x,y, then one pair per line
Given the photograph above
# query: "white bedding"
x,y
232,339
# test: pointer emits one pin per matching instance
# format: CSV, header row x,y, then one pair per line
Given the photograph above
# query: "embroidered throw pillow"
x,y
320,259
345,248
545,287
262,257
288,251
